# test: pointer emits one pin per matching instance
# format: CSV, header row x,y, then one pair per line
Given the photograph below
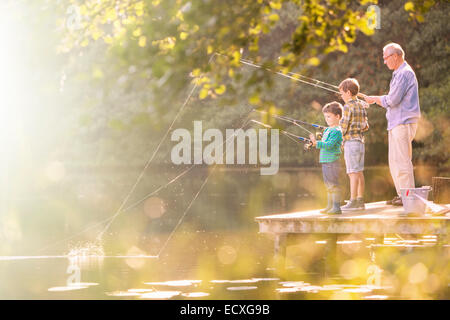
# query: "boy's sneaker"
x,y
334,211
353,205
361,203
324,210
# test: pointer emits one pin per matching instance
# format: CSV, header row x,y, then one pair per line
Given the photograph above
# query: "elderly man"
x,y
402,113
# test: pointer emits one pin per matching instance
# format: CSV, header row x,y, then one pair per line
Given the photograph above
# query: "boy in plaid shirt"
x,y
330,152
353,123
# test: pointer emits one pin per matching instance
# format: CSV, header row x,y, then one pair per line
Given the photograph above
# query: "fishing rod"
x,y
306,141
303,79
298,123
295,76
293,121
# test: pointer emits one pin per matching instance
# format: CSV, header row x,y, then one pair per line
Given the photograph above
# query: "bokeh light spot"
x,y
154,207
418,273
226,254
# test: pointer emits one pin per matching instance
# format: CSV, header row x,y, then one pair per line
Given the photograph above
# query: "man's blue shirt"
x,y
402,101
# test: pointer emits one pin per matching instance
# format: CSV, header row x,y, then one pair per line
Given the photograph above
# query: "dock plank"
x,y
377,218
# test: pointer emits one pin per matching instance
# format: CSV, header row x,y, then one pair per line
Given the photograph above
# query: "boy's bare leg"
x,y
361,184
354,181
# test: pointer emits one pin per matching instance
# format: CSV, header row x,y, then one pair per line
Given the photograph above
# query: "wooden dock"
x,y
377,220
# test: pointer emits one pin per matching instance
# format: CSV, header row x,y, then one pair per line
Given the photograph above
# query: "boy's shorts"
x,y
354,156
331,173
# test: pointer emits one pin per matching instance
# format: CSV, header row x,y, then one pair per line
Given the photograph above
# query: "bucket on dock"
x,y
412,205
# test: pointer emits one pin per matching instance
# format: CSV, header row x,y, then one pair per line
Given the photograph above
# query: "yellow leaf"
x,y
409,6
196,72
253,47
180,15
275,5
314,61
203,94
183,35
195,28
137,32
236,56
156,3
83,10
142,41
220,90
254,99
96,34
110,14
255,30
84,43
108,39
274,17
342,47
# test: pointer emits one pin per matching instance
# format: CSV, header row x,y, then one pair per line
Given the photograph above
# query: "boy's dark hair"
x,y
351,85
334,108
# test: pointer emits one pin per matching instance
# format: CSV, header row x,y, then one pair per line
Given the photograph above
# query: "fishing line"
x,y
292,77
311,81
153,156
111,219
291,136
198,192
124,210
285,119
292,73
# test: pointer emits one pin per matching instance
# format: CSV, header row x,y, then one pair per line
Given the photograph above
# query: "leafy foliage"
x,y
149,47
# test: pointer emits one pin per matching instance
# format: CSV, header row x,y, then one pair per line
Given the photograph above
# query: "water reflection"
x,y
219,246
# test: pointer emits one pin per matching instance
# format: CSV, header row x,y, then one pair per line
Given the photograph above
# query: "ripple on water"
x,y
376,297
195,294
253,280
266,279
122,294
159,295
140,290
242,288
175,283
66,288
294,283
73,286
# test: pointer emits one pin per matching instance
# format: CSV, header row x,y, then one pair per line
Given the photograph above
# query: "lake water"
x,y
159,250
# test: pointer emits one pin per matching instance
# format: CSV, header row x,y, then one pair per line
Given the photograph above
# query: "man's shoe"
x,y
396,198
397,202
352,205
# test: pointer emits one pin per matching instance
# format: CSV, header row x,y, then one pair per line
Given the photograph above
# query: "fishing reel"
x,y
319,135
308,146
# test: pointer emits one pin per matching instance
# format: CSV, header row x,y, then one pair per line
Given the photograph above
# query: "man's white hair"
x,y
394,48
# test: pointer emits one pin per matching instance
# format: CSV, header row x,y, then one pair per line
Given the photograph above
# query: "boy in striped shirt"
x,y
330,151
